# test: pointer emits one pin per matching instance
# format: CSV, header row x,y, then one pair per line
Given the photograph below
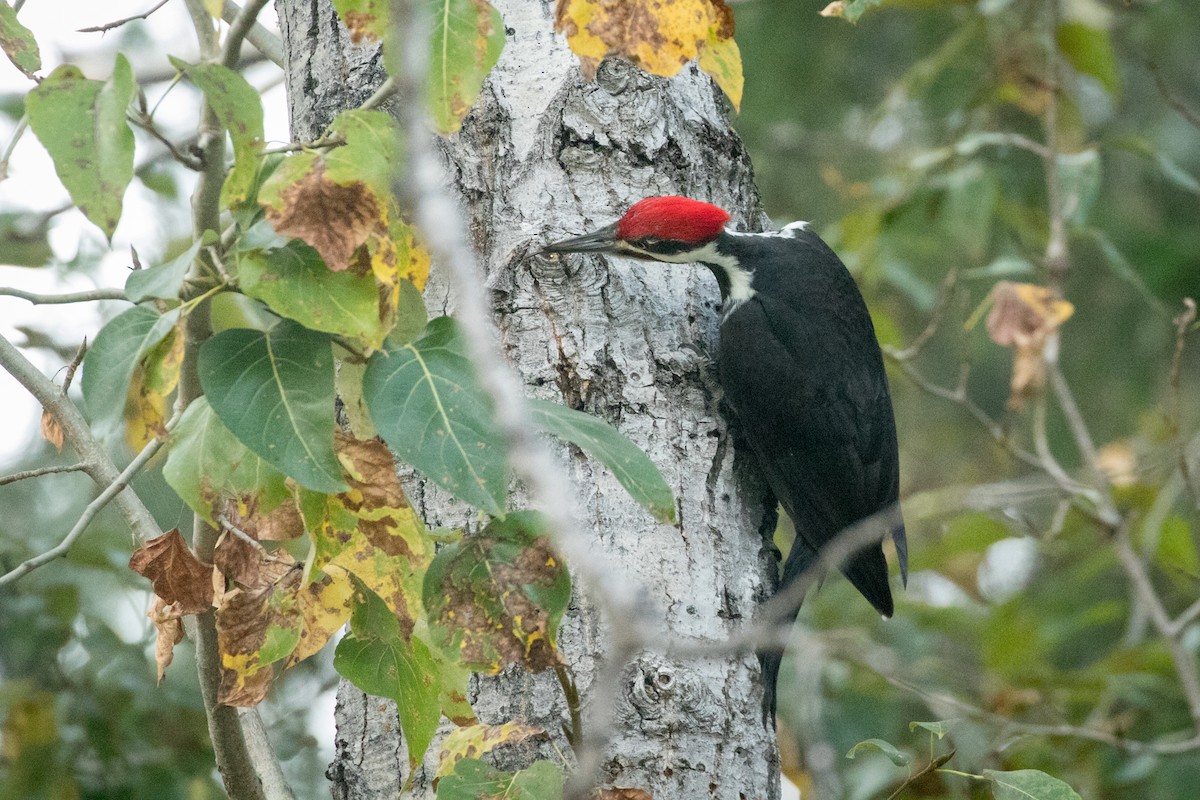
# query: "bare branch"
x,y
1181,656
93,508
59,299
78,434
263,39
274,784
239,27
935,320
73,366
40,471
108,26
18,132
940,701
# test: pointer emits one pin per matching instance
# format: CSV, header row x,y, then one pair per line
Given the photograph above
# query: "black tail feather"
x,y
770,661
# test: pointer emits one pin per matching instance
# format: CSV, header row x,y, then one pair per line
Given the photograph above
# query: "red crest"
x,y
676,218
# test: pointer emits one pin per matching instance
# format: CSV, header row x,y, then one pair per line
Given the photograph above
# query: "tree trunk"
x,y
546,153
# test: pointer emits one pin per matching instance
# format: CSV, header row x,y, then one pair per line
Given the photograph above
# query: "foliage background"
x,y
1004,612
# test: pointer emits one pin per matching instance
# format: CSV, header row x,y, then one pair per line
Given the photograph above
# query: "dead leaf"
x,y
332,218
835,9
622,793
1023,316
169,632
325,604
52,432
179,577
254,630
250,567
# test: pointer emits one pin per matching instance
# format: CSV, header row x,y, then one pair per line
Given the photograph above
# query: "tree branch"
x,y
59,299
239,28
108,26
93,508
78,434
263,39
39,472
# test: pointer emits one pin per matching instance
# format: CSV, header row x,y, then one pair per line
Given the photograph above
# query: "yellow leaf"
x,y
660,36
325,606
153,381
722,59
476,740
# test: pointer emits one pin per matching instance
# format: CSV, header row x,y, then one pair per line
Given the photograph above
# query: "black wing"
x,y
805,378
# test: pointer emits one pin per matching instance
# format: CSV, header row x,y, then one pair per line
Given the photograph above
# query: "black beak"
x,y
601,241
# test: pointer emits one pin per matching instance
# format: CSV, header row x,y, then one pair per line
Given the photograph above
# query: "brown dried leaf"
x,y
179,577
622,793
254,630
1023,317
169,628
52,432
250,567
334,219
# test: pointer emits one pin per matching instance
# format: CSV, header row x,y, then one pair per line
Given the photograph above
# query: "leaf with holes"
x,y
428,405
82,124
112,358
496,598
631,466
274,391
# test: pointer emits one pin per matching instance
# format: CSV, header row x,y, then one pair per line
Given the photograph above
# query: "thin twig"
x,y
939,701
78,434
935,320
146,123
1181,656
18,132
381,95
40,471
93,508
108,26
59,299
69,376
1174,102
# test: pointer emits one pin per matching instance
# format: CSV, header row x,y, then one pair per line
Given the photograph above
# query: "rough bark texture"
x,y
546,153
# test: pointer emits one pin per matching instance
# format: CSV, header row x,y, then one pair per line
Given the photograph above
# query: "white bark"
x,y
545,154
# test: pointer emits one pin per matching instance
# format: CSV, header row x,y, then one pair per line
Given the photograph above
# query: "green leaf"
x,y
496,598
24,239
370,153
1079,184
239,109
1028,784
110,361
411,315
295,283
428,405
1126,271
473,779
900,759
377,659
939,728
274,391
164,281
468,36
18,43
82,124
1090,52
629,464
207,466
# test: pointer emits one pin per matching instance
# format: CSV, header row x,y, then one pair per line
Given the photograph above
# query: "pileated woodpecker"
x,y
800,368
